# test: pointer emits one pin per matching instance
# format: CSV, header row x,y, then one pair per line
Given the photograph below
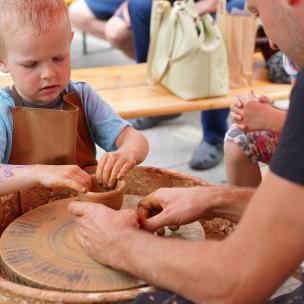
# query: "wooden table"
x,y
126,90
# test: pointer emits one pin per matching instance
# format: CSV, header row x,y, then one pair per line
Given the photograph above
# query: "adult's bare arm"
x,y
265,248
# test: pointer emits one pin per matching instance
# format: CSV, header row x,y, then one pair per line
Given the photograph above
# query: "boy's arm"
x,y
133,142
14,178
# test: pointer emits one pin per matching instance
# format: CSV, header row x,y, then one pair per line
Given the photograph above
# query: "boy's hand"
x,y
57,176
132,150
113,166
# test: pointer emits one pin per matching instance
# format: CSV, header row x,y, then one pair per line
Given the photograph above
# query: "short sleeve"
x,y
288,161
3,142
104,123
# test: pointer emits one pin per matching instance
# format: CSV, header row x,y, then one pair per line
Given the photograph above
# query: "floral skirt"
x,y
259,146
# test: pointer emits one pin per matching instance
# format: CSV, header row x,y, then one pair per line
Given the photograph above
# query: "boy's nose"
x,y
47,72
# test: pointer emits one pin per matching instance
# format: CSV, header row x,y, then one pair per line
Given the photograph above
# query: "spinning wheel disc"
x,y
39,249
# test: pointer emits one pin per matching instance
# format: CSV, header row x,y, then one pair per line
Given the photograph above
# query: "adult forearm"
x,y
161,262
252,258
228,202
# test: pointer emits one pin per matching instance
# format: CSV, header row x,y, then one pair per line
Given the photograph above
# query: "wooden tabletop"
x,y
125,89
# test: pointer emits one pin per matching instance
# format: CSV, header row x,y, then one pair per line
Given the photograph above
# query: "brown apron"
x,y
51,136
48,136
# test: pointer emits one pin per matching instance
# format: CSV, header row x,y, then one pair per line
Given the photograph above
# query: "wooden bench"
x,y
126,90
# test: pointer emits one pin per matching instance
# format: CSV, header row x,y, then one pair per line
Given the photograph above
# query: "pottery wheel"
x,y
39,249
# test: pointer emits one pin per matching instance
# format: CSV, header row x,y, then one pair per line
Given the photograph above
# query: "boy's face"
x,y
39,64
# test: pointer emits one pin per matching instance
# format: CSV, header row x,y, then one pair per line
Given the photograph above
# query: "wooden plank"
x,y
126,90
153,101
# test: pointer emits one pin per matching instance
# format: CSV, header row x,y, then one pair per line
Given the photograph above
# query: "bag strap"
x,y
159,8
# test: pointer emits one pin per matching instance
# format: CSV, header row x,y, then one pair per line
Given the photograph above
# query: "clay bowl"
x,y
112,198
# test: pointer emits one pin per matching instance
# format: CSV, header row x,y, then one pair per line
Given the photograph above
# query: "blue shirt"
x,y
103,123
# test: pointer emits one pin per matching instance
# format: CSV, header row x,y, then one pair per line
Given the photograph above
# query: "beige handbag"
x,y
186,54
239,32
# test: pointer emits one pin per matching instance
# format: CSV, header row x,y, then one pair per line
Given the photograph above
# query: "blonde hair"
x,y
40,15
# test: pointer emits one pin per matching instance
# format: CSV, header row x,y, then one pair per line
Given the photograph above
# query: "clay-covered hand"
x,y
172,207
251,113
99,229
58,176
113,166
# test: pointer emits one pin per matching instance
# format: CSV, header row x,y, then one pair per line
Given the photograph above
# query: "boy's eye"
x,y
58,59
29,65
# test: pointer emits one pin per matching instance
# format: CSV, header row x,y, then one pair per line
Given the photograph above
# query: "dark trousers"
x,y
104,9
214,122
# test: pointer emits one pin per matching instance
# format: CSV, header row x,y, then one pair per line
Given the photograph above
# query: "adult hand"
x,y
173,207
57,176
113,166
100,228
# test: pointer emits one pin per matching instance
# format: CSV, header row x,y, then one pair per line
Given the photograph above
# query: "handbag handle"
x,y
198,43
159,8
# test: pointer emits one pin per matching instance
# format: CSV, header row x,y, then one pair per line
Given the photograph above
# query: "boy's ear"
x,y
3,67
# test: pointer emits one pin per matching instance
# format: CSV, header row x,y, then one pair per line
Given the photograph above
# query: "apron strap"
x,y
13,92
17,98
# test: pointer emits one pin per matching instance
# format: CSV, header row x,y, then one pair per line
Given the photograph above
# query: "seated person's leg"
x,y
140,20
90,15
243,151
118,30
209,153
240,170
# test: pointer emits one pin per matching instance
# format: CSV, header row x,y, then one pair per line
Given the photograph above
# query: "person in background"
x,y
209,152
253,137
105,19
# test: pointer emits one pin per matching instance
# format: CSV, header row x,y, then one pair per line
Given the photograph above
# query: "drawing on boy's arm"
x,y
7,170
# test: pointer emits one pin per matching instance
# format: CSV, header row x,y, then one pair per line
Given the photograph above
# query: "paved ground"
x,y
171,144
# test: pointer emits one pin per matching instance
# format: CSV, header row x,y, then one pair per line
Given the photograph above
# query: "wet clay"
x,y
111,197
